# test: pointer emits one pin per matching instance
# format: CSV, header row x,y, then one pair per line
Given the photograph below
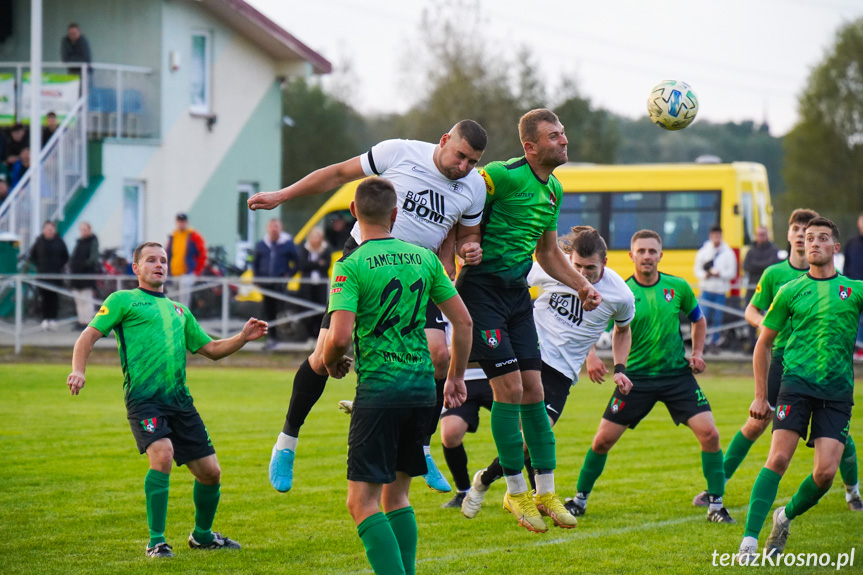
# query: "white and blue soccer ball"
x,y
672,105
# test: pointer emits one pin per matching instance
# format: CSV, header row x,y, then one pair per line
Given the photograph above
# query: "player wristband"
x,y
619,368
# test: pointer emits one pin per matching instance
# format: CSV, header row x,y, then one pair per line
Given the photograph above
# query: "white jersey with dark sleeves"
x,y
567,332
429,203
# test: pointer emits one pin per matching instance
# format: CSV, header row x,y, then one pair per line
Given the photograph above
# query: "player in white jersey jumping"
x,y
437,189
567,335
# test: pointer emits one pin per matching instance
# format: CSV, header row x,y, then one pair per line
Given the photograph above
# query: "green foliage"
x,y
824,151
72,496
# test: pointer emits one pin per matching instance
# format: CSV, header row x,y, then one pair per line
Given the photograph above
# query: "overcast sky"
x,y
746,59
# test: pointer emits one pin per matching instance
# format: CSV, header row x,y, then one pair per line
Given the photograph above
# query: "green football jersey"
x,y
657,346
823,315
775,277
153,334
387,283
519,208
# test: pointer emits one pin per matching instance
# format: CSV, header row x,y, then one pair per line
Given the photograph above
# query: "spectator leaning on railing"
x,y
84,260
715,267
275,257
74,47
187,255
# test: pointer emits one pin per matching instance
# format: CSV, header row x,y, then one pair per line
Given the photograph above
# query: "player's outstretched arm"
x,y
455,392
555,264
760,408
699,334
338,343
219,348
80,355
621,343
753,315
318,182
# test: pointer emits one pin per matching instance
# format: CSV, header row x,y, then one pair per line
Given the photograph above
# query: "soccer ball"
x,y
672,105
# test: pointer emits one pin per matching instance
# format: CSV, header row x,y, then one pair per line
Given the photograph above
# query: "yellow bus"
x,y
680,201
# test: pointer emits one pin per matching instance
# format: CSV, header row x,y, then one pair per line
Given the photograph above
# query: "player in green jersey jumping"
x,y
153,334
378,300
659,371
520,218
775,277
817,386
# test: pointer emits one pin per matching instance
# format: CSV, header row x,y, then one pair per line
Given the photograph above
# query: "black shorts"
x,y
184,427
556,387
795,410
479,394
504,335
774,380
680,394
383,440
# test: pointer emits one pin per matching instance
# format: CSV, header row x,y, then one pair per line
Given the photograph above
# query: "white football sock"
x,y
286,442
515,484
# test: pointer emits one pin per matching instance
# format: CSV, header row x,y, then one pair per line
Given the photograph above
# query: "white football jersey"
x,y
429,203
567,332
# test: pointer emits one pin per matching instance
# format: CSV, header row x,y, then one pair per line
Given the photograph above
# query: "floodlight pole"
x,y
35,119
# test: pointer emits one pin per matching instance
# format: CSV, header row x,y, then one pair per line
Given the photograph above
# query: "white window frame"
x,y
141,187
205,108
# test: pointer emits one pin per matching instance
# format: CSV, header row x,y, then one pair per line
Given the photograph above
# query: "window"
x,y
245,224
200,70
133,216
748,216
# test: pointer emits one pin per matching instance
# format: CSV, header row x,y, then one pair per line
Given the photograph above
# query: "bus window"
x,y
682,217
580,210
746,208
761,201
337,228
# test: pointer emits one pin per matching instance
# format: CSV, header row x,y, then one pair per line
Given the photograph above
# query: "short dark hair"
x,y
645,234
715,228
136,255
824,222
528,124
802,216
474,134
73,25
375,198
51,115
585,241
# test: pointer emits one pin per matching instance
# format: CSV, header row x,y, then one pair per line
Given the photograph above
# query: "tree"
x,y
824,151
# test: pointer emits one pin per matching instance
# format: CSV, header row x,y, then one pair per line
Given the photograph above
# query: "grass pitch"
x,y
72,500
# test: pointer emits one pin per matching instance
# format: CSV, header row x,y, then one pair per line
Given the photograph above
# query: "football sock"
x,y
544,482
492,473
507,435
515,484
206,498
382,547
848,463
763,495
538,435
308,387
805,499
156,494
712,467
286,442
592,468
433,421
404,525
456,460
737,450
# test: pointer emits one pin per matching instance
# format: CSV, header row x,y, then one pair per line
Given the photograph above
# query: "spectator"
x,y
762,254
85,260
275,257
75,48
338,231
19,168
715,267
16,142
49,128
853,269
315,256
187,255
49,255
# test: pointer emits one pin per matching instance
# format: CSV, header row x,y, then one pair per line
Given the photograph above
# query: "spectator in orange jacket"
x,y
187,254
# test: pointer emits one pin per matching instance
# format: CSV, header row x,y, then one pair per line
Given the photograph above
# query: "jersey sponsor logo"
x,y
489,185
426,205
522,195
844,292
669,294
341,279
417,170
178,309
137,303
616,405
492,337
149,425
782,411
758,288
336,290
103,310
567,306
507,362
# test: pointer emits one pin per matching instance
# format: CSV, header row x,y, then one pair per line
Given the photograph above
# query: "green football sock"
x,y
714,473
404,525
507,435
538,436
592,468
737,451
805,499
156,493
382,547
848,463
762,498
206,498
